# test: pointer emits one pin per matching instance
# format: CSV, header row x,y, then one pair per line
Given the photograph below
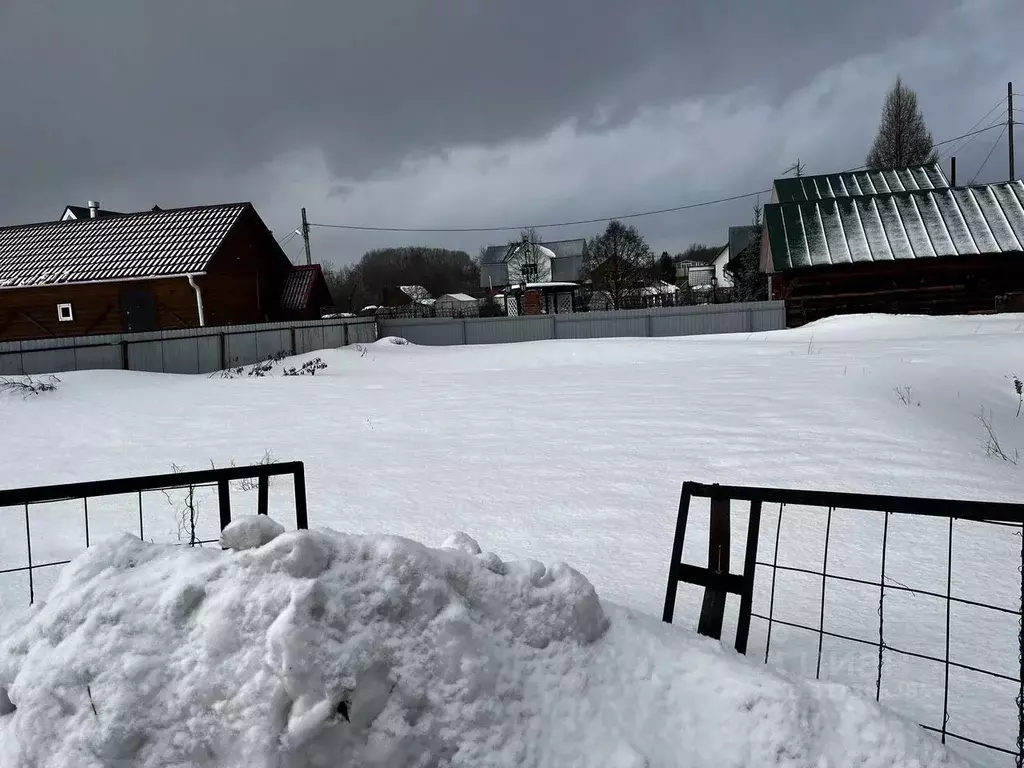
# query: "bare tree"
x,y
903,139
619,263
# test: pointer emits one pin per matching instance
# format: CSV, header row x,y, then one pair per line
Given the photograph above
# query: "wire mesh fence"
x,y
59,521
915,602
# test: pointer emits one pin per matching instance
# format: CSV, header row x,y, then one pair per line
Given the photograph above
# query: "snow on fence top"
x,y
317,648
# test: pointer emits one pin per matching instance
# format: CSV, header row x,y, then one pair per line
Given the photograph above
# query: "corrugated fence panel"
x,y
208,353
181,355
362,333
240,349
10,363
270,343
309,339
510,330
601,325
146,356
334,336
426,332
48,361
107,356
189,350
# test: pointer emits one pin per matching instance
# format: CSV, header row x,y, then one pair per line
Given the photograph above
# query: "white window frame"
x,y
65,313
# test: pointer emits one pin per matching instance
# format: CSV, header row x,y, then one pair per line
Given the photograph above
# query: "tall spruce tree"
x,y
903,139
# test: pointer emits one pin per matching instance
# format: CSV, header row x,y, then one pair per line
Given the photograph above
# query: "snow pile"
x,y
325,649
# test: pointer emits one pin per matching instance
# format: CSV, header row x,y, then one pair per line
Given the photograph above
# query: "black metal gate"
x,y
719,581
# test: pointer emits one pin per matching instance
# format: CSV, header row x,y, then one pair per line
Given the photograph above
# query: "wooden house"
x,y
921,247
109,272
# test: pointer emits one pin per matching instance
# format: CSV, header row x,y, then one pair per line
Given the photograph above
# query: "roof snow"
x,y
853,183
121,247
958,221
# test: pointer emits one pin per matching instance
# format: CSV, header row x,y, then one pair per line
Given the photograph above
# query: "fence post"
x,y
223,351
464,331
124,355
292,329
301,515
712,611
224,502
677,555
344,338
261,495
649,324
749,567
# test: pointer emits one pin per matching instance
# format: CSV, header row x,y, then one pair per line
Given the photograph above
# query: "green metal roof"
x,y
833,185
906,225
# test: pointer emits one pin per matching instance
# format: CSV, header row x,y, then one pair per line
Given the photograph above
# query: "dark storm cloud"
x,y
121,87
467,112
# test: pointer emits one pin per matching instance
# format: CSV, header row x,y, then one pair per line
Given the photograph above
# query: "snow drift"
x,y
318,648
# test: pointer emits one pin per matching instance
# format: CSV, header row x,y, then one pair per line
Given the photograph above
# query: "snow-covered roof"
x,y
415,292
127,247
959,221
833,185
460,297
498,254
513,288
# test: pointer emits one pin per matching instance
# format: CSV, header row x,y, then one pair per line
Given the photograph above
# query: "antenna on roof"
x,y
797,167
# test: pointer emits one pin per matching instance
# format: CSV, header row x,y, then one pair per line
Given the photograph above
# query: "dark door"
x,y
138,310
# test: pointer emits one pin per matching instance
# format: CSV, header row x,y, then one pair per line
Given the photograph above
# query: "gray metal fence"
x,y
193,350
660,321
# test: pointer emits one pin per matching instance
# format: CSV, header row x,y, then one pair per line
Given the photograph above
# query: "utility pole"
x,y
1009,123
305,236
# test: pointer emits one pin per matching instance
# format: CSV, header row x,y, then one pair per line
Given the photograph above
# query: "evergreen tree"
x,y
666,269
903,139
749,282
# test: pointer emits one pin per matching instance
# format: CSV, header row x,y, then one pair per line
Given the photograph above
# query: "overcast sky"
x,y
468,113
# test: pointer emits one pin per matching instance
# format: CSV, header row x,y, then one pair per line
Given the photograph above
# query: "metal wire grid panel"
x,y
220,479
718,582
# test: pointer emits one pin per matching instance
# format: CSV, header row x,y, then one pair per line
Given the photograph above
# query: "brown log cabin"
x,y
97,271
901,241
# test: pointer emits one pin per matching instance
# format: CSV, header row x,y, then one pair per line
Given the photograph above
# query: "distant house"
x,y
535,278
839,245
305,295
110,272
91,211
704,273
658,295
457,305
414,300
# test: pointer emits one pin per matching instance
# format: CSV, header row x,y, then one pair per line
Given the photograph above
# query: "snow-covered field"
x,y
575,451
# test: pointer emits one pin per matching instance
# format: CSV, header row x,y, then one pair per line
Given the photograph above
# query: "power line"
x,y
602,219
599,220
964,136
997,105
961,147
994,145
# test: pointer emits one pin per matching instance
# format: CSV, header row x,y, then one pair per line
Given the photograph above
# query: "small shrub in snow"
x,y
398,340
186,512
905,394
1018,387
28,386
248,484
308,368
993,449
